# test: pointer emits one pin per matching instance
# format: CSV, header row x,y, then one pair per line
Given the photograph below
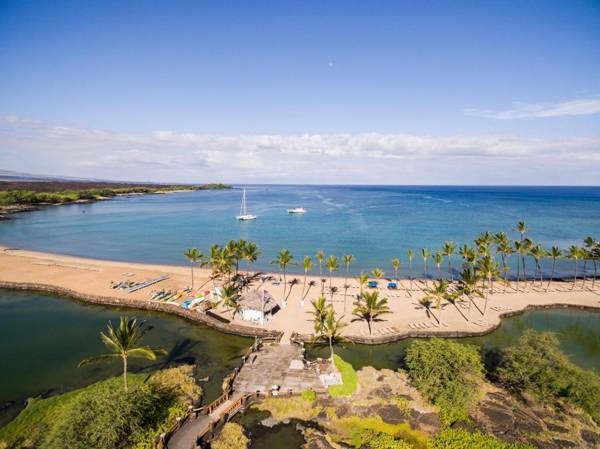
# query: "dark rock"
x,y
391,414
590,437
558,443
556,428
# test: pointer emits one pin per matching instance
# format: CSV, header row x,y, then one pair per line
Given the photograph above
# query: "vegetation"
x,y
349,378
39,193
103,416
537,366
447,374
232,436
309,395
369,308
122,343
454,438
194,257
330,329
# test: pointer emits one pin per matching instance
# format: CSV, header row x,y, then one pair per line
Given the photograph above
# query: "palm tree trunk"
x,y
450,269
125,372
369,325
551,274
575,276
410,274
284,283
518,271
331,349
595,273
192,267
304,286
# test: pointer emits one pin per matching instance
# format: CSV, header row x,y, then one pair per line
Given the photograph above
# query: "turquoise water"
x,y
373,223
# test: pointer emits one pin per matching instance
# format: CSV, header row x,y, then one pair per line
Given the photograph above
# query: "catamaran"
x,y
296,210
244,215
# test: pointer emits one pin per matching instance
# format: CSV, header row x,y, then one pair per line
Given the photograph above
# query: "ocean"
x,y
374,223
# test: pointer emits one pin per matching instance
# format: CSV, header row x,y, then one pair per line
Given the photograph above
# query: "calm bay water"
x,y
373,223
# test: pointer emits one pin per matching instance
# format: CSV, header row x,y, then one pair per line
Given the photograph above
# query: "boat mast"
x,y
243,207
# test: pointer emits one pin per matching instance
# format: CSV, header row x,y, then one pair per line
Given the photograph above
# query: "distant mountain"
x,y
8,175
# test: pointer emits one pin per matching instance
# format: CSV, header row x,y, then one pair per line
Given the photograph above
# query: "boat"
x,y
296,210
244,215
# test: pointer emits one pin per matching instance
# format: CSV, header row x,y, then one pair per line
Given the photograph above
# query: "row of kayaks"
x,y
123,284
193,298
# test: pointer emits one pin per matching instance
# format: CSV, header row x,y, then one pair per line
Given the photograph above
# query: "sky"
x,y
349,92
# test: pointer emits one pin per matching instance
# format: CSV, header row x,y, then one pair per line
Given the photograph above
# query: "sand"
x,y
91,277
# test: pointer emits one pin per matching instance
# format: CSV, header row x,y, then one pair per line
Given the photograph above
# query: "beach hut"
x,y
257,306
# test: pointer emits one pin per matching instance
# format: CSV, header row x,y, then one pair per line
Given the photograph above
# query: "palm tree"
x,y
555,253
448,251
284,258
230,298
438,257
538,252
410,254
425,254
235,251
319,312
505,250
468,255
522,229
194,256
426,302
377,273
122,343
371,308
250,253
307,264
437,293
320,256
575,253
348,259
362,278
331,330
396,267
589,244
488,269
332,265
469,285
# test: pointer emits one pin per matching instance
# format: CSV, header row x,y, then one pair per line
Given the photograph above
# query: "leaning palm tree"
x,y
332,265
538,253
230,298
438,293
448,251
307,264
362,279
469,285
426,302
555,253
122,343
377,273
589,244
522,229
284,258
331,330
371,308
505,250
194,256
575,253
410,254
488,269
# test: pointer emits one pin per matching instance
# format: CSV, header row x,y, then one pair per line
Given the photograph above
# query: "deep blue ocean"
x,y
374,223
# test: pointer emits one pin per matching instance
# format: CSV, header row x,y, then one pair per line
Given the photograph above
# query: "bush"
x,y
309,395
231,437
447,374
536,365
349,378
461,439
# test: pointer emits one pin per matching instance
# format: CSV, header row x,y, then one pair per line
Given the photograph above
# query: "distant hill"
x,y
9,175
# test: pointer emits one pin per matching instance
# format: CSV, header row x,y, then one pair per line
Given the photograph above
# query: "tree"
x,y
122,343
320,256
488,269
348,259
284,258
396,267
410,254
370,308
425,254
469,285
438,258
538,252
377,273
362,278
194,256
591,247
250,253
331,330
437,294
555,253
319,312
235,250
230,298
448,251
505,250
332,265
307,264
575,253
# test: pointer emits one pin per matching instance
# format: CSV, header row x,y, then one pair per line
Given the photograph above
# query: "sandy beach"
x,y
85,278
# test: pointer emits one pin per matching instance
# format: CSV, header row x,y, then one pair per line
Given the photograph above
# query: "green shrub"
x,y
461,439
376,440
536,365
309,395
231,437
447,374
349,378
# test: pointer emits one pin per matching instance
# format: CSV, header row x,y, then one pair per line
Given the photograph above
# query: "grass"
x,y
349,378
294,407
309,395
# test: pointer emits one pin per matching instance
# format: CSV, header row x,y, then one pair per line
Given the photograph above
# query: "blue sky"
x,y
454,92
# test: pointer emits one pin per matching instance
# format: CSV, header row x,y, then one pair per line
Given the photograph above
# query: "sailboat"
x,y
244,215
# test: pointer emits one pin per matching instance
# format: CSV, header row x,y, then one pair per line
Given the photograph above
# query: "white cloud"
x,y
168,156
525,110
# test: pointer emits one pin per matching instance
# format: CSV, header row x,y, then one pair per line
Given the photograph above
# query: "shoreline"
x,y
88,280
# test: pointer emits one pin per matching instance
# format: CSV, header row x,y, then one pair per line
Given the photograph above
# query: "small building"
x,y
257,306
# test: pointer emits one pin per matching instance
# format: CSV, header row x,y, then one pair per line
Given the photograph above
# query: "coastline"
x,y
88,280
